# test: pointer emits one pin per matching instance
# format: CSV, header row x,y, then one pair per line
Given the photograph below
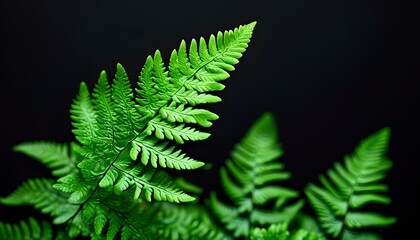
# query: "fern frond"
x,y
247,180
349,187
30,229
128,134
59,157
40,194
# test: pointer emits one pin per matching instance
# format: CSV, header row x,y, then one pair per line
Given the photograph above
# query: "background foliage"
x,y
331,72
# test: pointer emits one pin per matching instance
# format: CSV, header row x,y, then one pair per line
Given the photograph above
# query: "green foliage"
x,y
61,158
184,221
307,222
40,194
349,187
250,180
281,232
129,136
125,137
31,230
114,183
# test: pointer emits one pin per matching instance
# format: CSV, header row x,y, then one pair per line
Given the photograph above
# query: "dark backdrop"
x,y
332,72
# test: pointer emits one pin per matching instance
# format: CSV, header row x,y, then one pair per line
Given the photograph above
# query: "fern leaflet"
x,y
184,221
40,194
56,156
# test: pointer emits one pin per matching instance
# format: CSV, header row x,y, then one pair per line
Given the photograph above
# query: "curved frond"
x,y
349,187
248,180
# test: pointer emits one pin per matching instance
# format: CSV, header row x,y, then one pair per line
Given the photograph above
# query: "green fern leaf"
x,y
303,234
307,222
127,118
191,97
355,235
157,153
30,229
179,133
186,221
223,211
83,117
356,220
127,135
276,231
246,180
351,186
40,194
118,217
188,115
204,86
55,156
75,185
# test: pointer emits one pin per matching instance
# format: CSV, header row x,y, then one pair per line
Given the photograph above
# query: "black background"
x,y
332,72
